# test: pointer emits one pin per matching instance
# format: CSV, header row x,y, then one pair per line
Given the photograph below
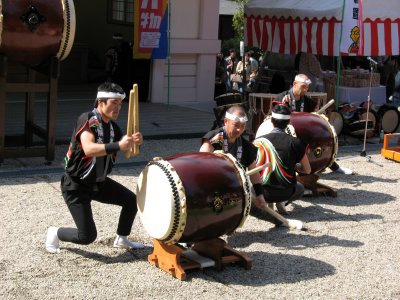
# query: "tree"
x,y
238,19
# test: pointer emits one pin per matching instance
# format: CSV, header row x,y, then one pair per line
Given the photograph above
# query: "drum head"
x,y
371,116
265,127
161,200
336,120
390,119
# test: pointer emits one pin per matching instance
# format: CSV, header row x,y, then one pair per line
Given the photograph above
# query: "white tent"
x,y
315,26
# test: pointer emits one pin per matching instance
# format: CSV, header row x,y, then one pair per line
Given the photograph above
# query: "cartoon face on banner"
x,y
355,37
351,34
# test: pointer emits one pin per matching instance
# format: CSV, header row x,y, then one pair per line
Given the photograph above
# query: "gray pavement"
x,y
156,120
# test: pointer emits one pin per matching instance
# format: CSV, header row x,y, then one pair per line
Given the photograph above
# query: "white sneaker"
x,y
307,192
123,242
52,240
345,171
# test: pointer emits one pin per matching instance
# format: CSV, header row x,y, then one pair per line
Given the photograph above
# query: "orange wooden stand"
x,y
310,182
169,257
392,153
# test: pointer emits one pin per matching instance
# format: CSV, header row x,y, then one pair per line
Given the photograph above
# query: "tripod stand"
x,y
363,152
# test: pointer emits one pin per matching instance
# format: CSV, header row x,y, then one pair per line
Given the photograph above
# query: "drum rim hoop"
x,y
178,224
245,184
69,28
335,138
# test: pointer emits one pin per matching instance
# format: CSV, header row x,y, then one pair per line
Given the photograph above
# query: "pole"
x,y
169,52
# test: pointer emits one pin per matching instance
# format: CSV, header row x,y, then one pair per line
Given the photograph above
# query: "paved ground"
x,y
157,120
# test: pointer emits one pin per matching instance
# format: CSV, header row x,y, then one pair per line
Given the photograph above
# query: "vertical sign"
x,y
151,29
351,29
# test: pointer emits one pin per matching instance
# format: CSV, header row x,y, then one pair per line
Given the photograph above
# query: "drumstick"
x,y
257,169
325,107
290,223
130,119
135,116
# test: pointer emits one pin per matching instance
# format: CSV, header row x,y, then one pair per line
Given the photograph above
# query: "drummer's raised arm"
x,y
206,146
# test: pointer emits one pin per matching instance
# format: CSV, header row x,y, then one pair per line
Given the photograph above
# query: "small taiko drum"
x,y
358,121
260,106
192,197
33,31
389,118
315,130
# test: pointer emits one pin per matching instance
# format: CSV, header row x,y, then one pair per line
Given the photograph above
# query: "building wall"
x,y
189,74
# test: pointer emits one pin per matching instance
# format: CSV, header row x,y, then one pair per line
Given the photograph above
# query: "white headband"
x,y
235,118
280,116
299,78
110,95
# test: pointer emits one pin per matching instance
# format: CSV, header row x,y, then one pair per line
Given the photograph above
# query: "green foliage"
x,y
238,19
231,43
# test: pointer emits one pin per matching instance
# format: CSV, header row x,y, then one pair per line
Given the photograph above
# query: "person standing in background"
x,y
230,62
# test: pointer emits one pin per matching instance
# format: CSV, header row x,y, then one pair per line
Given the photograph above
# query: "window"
x,y
120,11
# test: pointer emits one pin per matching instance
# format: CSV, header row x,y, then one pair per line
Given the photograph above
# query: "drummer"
x,y
229,139
288,153
94,144
297,100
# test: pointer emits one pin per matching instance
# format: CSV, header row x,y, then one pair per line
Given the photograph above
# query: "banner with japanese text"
x,y
351,28
151,29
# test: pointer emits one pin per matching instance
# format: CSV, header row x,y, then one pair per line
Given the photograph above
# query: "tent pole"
x,y
169,52
339,62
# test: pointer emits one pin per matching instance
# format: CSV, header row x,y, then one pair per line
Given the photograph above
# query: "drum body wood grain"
x,y
33,31
192,197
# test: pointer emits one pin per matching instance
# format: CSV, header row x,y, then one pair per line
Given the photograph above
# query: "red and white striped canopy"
x,y
314,26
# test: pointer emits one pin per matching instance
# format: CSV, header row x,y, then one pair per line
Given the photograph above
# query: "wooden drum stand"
x,y
175,259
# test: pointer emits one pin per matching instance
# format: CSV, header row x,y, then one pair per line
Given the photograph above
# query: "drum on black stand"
x,y
355,117
389,118
356,124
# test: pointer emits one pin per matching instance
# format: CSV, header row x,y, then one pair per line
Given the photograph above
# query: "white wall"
x,y
194,44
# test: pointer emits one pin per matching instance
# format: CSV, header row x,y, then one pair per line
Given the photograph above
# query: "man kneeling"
x,y
287,154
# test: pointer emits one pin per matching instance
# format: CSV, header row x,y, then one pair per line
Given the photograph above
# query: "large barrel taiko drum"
x,y
31,32
315,130
192,197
